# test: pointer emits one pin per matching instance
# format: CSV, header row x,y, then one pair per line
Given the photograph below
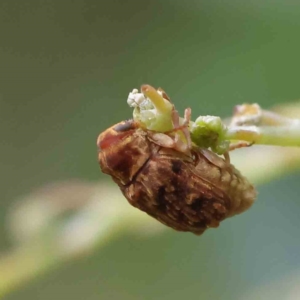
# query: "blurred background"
x,y
66,69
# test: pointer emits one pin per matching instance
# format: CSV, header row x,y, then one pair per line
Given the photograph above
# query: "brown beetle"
x,y
181,185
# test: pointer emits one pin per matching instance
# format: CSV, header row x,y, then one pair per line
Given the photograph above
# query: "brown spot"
x,y
176,166
197,204
160,198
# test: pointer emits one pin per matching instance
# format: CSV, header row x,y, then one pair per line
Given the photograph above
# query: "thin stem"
x,y
274,119
266,135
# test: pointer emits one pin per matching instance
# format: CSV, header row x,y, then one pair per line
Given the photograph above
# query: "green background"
x,y
66,68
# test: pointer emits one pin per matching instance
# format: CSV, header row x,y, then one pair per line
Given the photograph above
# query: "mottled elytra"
x,y
163,174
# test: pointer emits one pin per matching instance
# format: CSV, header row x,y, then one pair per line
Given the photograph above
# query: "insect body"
x,y
186,188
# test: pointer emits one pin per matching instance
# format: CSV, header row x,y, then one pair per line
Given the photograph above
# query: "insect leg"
x,y
185,129
227,158
240,144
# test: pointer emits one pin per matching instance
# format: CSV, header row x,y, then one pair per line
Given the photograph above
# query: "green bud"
x,y
209,132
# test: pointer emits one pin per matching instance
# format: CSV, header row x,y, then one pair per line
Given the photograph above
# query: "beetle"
x,y
164,174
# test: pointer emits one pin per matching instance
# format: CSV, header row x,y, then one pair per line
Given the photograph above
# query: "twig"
x,y
266,135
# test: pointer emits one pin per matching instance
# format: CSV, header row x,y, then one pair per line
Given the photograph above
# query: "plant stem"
x,y
274,119
266,135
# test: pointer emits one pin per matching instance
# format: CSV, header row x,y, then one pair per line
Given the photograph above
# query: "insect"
x,y
165,175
